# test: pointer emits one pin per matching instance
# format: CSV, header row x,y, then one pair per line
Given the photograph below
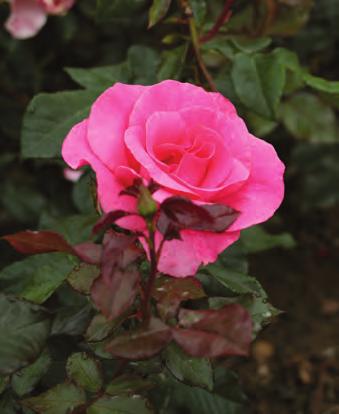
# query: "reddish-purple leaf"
x,y
214,333
35,242
170,292
89,252
178,213
143,343
116,288
132,190
113,297
108,219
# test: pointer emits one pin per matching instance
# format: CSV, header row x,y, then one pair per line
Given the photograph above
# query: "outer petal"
x,y
76,152
108,121
181,258
171,95
26,19
263,192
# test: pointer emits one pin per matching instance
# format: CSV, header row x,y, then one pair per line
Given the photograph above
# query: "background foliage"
x,y
276,61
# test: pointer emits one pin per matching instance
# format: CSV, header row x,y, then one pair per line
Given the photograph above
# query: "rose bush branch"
x,y
224,16
196,43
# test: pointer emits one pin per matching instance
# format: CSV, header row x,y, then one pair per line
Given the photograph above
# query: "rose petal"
x,y
108,121
165,130
76,152
182,258
192,169
171,95
263,192
135,140
26,19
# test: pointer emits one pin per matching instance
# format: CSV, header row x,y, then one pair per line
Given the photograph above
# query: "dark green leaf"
x,y
24,329
172,63
288,59
262,312
227,385
3,383
23,201
321,84
82,195
8,405
35,278
76,228
257,239
295,72
199,8
235,281
306,117
259,125
82,276
143,63
116,9
190,370
100,78
142,343
100,328
186,399
158,11
259,82
234,258
85,371
222,45
119,404
128,385
43,133
62,399
318,166
24,381
72,320
249,44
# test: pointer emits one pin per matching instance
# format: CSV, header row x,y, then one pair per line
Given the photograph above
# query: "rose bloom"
x,y
27,17
192,143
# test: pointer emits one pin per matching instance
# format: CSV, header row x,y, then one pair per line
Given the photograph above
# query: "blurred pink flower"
x,y
27,17
72,175
57,6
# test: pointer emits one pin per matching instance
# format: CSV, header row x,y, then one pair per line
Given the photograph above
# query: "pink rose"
x,y
29,16
191,143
